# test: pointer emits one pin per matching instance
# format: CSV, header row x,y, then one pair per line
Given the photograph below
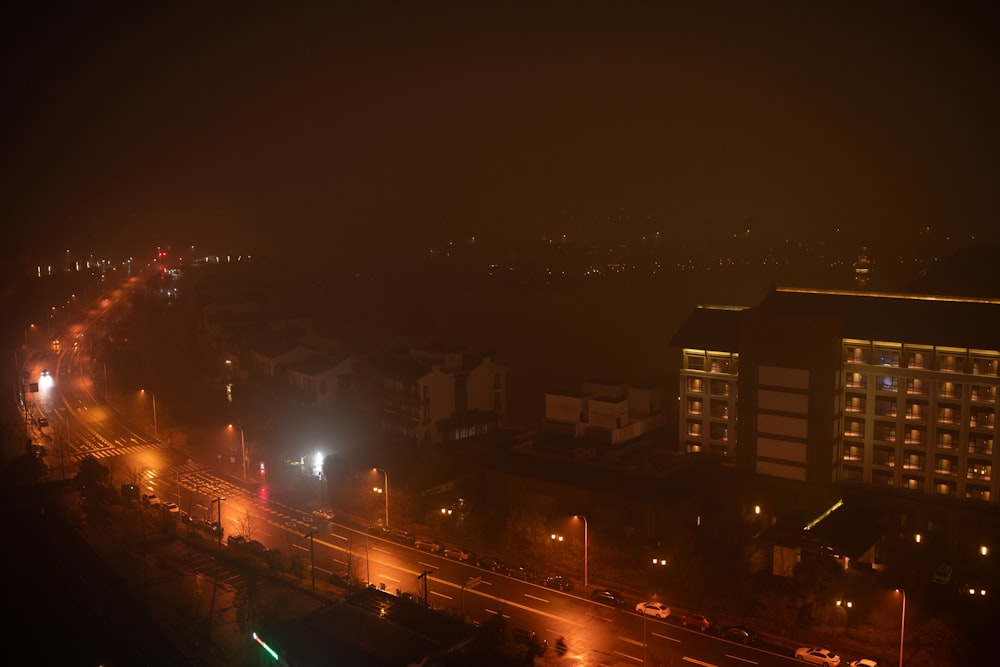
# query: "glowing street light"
x,y
902,627
155,433
243,447
386,492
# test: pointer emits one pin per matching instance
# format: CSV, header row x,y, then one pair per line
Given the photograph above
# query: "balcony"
x,y
984,447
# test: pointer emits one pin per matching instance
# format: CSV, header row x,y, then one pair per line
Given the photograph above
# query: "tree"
x,y
91,475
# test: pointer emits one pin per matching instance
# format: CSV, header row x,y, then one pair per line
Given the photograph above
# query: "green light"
x,y
267,648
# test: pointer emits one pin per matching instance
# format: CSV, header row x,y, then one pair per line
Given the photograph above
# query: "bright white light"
x,y
45,381
317,463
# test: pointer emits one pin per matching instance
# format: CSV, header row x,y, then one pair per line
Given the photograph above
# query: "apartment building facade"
x,y
884,389
434,395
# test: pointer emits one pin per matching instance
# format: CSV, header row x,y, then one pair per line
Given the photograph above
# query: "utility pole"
x,y
312,556
423,575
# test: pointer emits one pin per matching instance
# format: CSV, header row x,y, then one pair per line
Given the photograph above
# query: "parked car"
x,y
236,541
817,656
653,608
942,574
427,544
608,597
150,499
324,513
457,553
558,582
171,507
738,633
864,662
404,536
530,639
379,530
255,547
697,620
491,564
520,572
43,422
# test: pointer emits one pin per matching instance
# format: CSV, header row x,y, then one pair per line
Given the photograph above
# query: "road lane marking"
x,y
529,595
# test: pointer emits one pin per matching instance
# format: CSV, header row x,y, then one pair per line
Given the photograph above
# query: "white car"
x,y
171,507
324,513
864,662
150,499
817,656
652,608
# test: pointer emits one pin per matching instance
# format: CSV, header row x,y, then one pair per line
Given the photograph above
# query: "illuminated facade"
x,y
890,390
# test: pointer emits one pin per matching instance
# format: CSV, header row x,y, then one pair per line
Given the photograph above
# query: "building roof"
x,y
846,529
710,328
370,628
917,319
315,365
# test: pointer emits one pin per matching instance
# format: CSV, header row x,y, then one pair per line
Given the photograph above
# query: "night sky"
x,y
364,128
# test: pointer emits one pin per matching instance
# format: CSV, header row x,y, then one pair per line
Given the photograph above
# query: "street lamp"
x,y
26,329
155,433
312,556
243,446
386,490
902,626
218,526
586,549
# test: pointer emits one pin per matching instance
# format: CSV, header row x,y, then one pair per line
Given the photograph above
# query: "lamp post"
x,y
902,626
155,433
243,447
386,491
219,523
312,556
586,549
26,329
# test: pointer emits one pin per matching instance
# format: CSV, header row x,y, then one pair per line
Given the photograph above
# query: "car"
x,y
150,499
608,597
236,541
520,572
43,422
942,574
457,553
404,536
817,656
410,597
379,530
324,513
653,608
864,662
427,544
491,564
45,373
558,582
697,620
530,639
170,507
255,547
738,633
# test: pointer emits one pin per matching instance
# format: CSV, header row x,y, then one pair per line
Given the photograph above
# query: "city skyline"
x,y
363,132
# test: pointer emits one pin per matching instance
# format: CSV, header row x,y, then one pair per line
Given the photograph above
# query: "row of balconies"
x,y
925,359
921,387
944,487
